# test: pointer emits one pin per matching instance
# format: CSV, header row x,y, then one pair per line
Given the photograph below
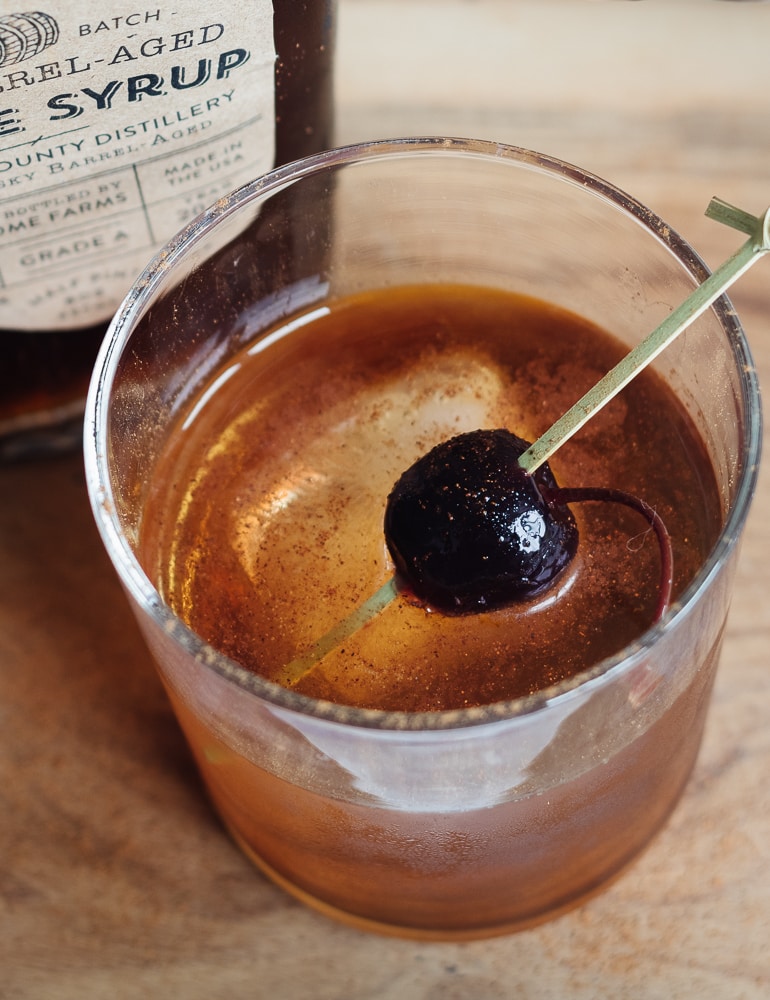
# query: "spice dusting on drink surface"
x,y
265,524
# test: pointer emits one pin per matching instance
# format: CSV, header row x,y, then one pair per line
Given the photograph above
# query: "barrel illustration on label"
x,y
23,36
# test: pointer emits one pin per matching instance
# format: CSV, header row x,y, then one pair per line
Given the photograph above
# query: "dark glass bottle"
x,y
44,371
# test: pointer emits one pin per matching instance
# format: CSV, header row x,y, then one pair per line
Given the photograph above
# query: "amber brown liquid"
x,y
457,875
44,375
264,528
270,530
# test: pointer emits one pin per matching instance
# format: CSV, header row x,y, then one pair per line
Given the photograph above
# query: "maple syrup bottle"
x,y
116,129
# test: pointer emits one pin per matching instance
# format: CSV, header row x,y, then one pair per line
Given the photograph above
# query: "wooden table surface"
x,y
116,880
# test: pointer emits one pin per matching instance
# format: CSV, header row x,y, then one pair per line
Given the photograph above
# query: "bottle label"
x,y
118,125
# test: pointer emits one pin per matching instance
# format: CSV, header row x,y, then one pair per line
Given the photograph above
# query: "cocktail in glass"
x,y
451,819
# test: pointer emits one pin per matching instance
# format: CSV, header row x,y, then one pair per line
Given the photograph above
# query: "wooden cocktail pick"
x,y
704,295
758,230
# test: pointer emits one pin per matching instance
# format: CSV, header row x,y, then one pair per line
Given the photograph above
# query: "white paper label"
x,y
117,126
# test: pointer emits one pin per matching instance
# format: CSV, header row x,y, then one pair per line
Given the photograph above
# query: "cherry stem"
x,y
578,494
758,228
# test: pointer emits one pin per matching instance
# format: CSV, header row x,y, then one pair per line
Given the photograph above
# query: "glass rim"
x,y
145,595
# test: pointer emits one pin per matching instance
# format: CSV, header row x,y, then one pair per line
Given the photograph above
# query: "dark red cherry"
x,y
469,530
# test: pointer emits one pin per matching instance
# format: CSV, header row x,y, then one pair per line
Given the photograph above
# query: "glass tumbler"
x,y
451,824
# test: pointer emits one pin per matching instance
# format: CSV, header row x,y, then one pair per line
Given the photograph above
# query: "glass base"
x,y
424,933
